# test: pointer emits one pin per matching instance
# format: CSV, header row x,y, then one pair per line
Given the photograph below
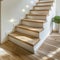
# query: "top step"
x,y
45,2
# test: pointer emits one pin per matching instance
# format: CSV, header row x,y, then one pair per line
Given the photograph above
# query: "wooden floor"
x,y
50,50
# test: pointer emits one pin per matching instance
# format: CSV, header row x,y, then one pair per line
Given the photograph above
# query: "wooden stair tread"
x,y
42,5
37,21
45,1
30,28
35,15
40,10
24,38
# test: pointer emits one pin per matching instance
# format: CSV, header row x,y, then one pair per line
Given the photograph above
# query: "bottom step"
x,y
23,40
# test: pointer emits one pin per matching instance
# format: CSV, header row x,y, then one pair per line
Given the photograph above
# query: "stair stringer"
x,y
47,26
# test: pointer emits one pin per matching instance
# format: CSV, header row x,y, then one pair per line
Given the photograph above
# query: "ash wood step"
x,y
33,23
45,2
42,6
30,28
32,31
24,38
36,21
35,15
40,10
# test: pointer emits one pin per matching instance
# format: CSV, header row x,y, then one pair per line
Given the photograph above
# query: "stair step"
x,y
29,30
39,12
33,23
36,21
35,16
40,8
45,1
44,4
24,38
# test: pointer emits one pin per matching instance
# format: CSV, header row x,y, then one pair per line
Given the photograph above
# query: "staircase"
x,y
26,34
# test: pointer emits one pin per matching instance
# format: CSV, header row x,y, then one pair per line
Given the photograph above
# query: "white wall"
x,y
55,27
58,7
57,12
0,21
12,10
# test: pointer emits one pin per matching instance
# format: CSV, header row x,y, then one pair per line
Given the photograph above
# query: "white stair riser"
x,y
40,8
22,44
33,24
44,4
32,33
40,12
36,17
